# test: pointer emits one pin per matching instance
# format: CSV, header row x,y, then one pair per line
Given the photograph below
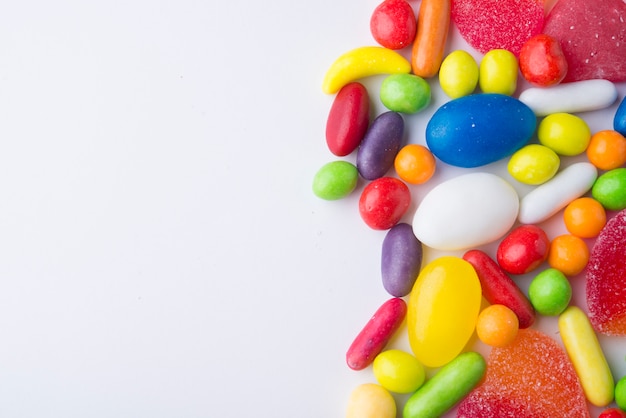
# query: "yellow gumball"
x,y
564,133
398,371
498,72
458,74
534,164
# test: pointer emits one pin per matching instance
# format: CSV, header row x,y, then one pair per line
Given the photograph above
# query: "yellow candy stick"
x,y
583,348
363,62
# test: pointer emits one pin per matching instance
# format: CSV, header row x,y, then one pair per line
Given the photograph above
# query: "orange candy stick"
x,y
433,21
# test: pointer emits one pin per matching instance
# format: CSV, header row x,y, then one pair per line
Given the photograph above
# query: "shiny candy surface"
x,y
479,129
619,120
607,149
497,325
370,400
405,93
383,202
458,75
584,217
466,211
442,310
550,292
415,164
610,189
569,254
541,61
335,180
564,133
534,164
393,24
498,72
348,119
379,146
398,371
401,260
523,249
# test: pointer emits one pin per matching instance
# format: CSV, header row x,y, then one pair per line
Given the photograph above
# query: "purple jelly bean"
x,y
401,260
379,146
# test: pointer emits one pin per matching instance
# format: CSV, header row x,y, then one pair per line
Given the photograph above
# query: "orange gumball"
x,y
584,217
415,164
607,150
568,254
497,325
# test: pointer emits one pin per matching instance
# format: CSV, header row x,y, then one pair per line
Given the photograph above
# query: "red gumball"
x,y
542,62
612,413
523,249
393,24
383,202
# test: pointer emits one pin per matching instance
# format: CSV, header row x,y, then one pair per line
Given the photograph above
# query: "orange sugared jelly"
x,y
532,377
606,275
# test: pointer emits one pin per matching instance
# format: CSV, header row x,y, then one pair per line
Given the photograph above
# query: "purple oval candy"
x,y
379,146
401,260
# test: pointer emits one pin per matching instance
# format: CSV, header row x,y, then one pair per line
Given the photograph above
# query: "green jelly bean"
x,y
335,180
405,93
610,189
550,292
446,388
620,393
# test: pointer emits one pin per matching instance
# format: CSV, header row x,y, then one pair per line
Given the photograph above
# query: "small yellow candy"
x,y
398,371
370,400
564,133
442,310
498,72
534,164
583,348
458,75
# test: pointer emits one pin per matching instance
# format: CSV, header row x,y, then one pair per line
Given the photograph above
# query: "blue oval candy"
x,y
479,129
619,120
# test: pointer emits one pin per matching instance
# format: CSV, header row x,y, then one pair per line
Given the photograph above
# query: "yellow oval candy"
x,y
362,62
458,75
564,133
498,72
534,164
442,310
370,400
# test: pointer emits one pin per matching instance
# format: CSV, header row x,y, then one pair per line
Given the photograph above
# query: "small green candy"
x,y
610,189
620,393
550,292
335,180
405,93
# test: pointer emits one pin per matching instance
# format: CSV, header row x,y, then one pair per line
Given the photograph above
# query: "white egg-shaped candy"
x,y
466,211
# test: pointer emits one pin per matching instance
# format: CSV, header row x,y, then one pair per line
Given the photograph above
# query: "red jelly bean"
x,y
383,202
374,336
542,62
498,24
612,413
393,24
499,288
606,275
523,249
348,119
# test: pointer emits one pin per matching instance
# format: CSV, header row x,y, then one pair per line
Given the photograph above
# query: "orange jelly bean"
x,y
569,254
415,164
584,217
607,150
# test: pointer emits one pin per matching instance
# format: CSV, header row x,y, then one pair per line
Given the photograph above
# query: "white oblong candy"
x,y
553,195
465,212
578,96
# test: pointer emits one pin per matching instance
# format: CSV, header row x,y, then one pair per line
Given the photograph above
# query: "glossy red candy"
x,y
523,249
383,202
376,333
393,24
592,35
606,275
499,288
529,378
498,24
348,119
542,62
612,413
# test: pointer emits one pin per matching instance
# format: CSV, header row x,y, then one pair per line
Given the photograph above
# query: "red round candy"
x,y
393,24
542,62
383,202
348,119
523,249
612,413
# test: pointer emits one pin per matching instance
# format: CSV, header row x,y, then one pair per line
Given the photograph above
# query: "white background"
x,y
161,251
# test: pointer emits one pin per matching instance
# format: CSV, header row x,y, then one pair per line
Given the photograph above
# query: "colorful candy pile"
x,y
569,53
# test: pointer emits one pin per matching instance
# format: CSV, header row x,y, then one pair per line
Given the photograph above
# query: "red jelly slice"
x,y
606,278
498,24
593,37
532,377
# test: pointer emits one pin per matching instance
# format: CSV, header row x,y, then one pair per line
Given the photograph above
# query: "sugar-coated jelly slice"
x,y
606,275
532,377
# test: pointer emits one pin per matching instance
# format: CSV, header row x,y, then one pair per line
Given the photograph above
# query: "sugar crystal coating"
x,y
532,377
606,275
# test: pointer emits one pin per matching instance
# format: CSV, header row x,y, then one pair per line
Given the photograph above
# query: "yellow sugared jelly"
x,y
442,310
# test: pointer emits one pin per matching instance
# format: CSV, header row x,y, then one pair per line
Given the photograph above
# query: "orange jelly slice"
x,y
532,377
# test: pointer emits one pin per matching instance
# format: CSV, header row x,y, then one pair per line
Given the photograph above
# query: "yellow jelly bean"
x,y
498,72
363,62
458,75
583,348
534,164
398,371
370,400
442,310
564,133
